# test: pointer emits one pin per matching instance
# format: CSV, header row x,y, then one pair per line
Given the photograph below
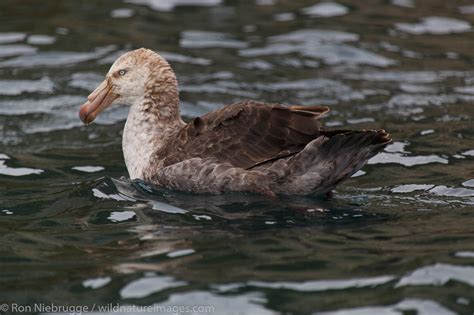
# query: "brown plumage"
x,y
248,146
246,134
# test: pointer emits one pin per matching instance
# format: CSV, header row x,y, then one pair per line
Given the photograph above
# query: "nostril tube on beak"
x,y
97,101
102,86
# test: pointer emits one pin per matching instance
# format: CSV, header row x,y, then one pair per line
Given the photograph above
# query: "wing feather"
x,y
246,134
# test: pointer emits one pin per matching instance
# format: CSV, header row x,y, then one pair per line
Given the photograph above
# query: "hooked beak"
x,y
97,101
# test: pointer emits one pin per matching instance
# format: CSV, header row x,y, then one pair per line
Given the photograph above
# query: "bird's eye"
x,y
122,72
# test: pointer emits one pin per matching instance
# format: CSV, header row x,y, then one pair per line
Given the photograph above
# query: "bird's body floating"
x,y
248,146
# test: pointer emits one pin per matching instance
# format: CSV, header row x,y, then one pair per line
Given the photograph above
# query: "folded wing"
x,y
246,134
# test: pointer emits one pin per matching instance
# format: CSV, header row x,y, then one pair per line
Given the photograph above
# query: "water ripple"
x,y
169,5
96,283
418,77
437,275
121,216
122,13
435,25
6,38
86,80
88,169
202,39
52,58
40,39
408,100
30,106
452,192
294,255
321,44
17,171
408,188
15,50
397,158
466,9
18,87
422,307
403,3
468,183
181,252
323,285
326,9
148,285
247,303
314,36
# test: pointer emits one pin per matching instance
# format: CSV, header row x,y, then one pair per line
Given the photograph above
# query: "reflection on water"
x,y
169,5
421,307
325,9
438,275
395,239
435,25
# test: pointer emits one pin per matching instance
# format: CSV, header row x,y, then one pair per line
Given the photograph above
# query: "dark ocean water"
x,y
395,239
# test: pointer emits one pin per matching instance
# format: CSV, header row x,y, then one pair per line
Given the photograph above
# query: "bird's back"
x,y
265,148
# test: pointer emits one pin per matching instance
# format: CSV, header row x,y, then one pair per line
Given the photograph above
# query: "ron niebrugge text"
x,y
105,308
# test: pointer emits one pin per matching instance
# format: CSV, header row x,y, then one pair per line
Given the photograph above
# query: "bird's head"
x,y
126,82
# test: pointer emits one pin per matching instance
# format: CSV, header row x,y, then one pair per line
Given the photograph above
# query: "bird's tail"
x,y
327,161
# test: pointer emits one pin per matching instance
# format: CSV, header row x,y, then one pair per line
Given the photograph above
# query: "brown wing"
x,y
246,134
